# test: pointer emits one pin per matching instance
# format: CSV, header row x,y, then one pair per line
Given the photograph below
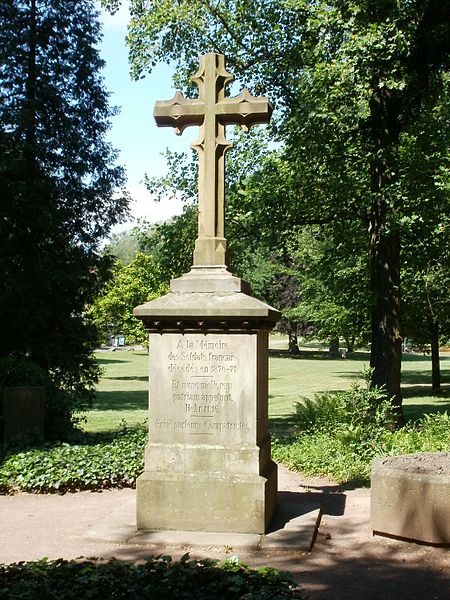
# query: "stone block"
x,y
409,501
23,412
215,502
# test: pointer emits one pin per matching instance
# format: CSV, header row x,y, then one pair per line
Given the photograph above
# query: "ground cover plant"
x,y
158,577
94,463
340,442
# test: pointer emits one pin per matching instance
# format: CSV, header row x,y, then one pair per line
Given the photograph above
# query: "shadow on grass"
x,y
126,378
302,354
406,357
116,400
422,377
108,361
318,355
414,412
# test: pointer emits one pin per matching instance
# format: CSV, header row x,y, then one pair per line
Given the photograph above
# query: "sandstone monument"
x,y
208,461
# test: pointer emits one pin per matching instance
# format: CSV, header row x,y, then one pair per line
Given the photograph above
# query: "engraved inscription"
x,y
203,384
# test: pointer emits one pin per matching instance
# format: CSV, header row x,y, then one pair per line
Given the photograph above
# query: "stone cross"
x,y
211,111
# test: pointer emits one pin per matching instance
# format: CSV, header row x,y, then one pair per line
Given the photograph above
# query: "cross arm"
x,y
178,112
245,110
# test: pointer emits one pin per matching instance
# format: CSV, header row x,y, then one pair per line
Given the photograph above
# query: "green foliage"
x,y
332,279
60,187
123,246
16,371
63,467
431,433
339,434
171,243
362,93
158,577
133,284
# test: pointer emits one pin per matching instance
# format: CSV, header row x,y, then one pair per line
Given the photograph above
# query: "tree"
x,y
123,245
333,283
59,182
133,284
171,242
351,77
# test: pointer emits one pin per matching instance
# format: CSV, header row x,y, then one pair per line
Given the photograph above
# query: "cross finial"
x,y
212,111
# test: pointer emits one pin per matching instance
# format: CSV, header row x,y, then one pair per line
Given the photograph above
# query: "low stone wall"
x,y
410,497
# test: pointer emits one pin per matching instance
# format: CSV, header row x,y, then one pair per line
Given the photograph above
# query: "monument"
x,y
208,460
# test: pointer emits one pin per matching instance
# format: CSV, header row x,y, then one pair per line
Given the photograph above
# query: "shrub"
x,y
64,467
339,434
158,577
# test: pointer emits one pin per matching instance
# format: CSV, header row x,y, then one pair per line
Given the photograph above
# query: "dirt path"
x,y
347,562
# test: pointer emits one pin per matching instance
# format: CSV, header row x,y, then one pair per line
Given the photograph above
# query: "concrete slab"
x,y
293,529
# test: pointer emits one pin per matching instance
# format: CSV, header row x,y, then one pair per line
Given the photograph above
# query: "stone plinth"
x,y
410,497
207,464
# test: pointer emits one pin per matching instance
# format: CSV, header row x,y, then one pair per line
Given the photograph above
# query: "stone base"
x,y
215,502
23,412
409,504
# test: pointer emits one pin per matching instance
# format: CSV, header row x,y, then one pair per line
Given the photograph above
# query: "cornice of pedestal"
x,y
207,299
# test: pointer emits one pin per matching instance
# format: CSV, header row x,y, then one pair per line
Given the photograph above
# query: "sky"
x,y
134,132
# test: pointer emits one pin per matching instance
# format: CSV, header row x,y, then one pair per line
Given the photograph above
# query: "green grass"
x,y
122,393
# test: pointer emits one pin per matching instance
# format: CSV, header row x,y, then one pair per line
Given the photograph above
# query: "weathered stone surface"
x,y
207,464
209,279
208,434
212,111
217,502
198,305
23,411
409,501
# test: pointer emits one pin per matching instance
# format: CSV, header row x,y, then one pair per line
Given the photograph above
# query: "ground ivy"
x,y
159,577
64,467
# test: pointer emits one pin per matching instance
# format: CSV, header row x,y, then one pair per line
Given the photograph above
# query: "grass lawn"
x,y
122,395
122,392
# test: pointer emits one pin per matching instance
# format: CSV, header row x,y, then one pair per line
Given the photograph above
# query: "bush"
x,y
63,467
339,434
157,578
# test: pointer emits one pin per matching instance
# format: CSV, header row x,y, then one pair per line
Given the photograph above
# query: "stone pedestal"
x,y
207,464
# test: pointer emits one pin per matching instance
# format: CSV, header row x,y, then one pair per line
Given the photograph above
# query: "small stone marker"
x,y
207,464
23,412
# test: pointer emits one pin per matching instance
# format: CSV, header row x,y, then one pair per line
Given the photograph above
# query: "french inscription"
x,y
202,383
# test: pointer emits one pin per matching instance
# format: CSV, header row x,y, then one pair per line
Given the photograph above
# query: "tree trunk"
x,y
293,343
334,348
350,344
435,365
386,347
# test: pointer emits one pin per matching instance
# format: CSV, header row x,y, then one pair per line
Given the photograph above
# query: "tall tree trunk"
x,y
293,342
334,348
433,326
386,347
